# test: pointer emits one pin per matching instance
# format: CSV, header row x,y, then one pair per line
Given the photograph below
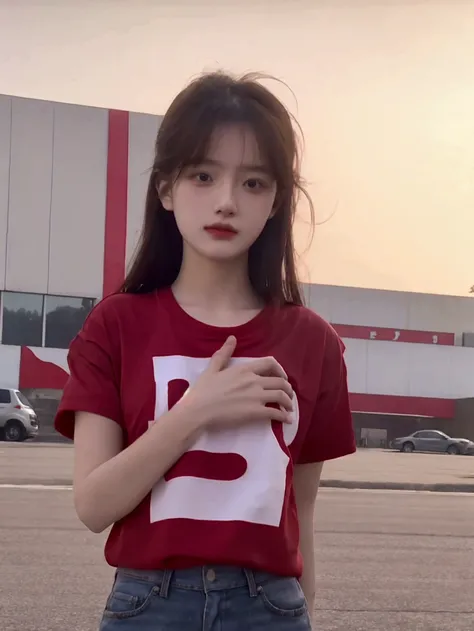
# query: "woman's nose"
x,y
226,203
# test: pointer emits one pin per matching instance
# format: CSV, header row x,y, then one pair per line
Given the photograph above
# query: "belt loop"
x,y
165,583
252,585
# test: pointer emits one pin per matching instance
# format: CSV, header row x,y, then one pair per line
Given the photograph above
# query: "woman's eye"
x,y
254,184
202,178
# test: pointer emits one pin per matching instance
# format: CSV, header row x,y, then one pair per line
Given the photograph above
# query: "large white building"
x,y
72,188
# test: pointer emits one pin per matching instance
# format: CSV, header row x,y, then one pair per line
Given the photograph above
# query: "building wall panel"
x,y
392,309
27,256
388,376
414,370
9,366
76,251
356,358
451,313
364,306
319,298
5,137
142,134
443,372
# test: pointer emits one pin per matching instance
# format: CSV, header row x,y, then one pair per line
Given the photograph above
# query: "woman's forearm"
x,y
116,487
306,483
307,579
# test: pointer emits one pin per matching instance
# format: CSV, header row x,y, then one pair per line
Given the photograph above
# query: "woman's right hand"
x,y
241,393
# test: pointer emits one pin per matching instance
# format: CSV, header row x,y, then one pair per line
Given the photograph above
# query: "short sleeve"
x,y
331,431
94,369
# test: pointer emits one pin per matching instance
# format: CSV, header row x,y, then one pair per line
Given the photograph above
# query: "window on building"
x,y
64,319
22,319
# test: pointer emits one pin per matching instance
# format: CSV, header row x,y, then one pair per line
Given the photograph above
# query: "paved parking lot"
x,y
32,463
392,560
386,559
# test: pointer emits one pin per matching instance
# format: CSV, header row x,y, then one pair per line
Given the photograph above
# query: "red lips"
x,y
221,231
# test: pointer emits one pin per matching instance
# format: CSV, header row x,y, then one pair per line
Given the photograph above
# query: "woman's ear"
x,y
165,194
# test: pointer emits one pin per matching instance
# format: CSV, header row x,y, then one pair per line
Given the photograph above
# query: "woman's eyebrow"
x,y
260,168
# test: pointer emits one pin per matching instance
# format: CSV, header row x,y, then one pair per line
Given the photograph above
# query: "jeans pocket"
x,y
284,597
129,598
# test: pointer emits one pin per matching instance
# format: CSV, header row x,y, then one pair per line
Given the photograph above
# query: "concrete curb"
x,y
28,482
36,443
440,487
334,484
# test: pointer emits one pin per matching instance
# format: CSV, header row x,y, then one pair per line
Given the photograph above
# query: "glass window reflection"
x,y
22,323
64,319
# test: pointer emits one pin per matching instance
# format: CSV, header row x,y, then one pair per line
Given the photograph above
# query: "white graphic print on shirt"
x,y
257,496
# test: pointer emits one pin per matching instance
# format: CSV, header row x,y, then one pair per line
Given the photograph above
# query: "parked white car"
x,y
18,420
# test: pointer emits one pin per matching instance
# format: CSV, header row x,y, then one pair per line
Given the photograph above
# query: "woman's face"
x,y
222,205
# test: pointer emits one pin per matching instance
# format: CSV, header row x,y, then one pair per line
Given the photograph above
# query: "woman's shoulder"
x,y
307,319
311,330
121,304
117,313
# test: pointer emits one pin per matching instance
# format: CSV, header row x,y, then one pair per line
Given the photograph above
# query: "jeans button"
x,y
211,575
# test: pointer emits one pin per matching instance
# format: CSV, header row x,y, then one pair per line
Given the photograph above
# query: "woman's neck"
x,y
215,285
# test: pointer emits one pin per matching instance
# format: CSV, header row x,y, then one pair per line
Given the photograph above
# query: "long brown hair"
x,y
183,139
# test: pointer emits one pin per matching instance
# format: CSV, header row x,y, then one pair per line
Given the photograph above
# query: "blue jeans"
x,y
204,599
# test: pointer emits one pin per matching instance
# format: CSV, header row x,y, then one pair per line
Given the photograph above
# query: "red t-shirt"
x,y
229,500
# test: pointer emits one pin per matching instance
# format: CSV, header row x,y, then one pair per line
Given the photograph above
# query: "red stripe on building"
x,y
116,202
403,406
384,334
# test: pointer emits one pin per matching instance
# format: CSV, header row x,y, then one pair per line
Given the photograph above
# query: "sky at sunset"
x,y
384,91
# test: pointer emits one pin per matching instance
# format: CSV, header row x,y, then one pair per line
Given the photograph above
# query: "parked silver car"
x,y
18,420
433,440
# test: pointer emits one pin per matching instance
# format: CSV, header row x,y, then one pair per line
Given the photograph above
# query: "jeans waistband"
x,y
206,578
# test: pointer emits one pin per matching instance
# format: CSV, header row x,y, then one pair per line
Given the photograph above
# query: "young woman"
x,y
203,397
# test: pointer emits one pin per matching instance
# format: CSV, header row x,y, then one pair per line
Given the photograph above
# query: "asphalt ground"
x,y
402,561
35,463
